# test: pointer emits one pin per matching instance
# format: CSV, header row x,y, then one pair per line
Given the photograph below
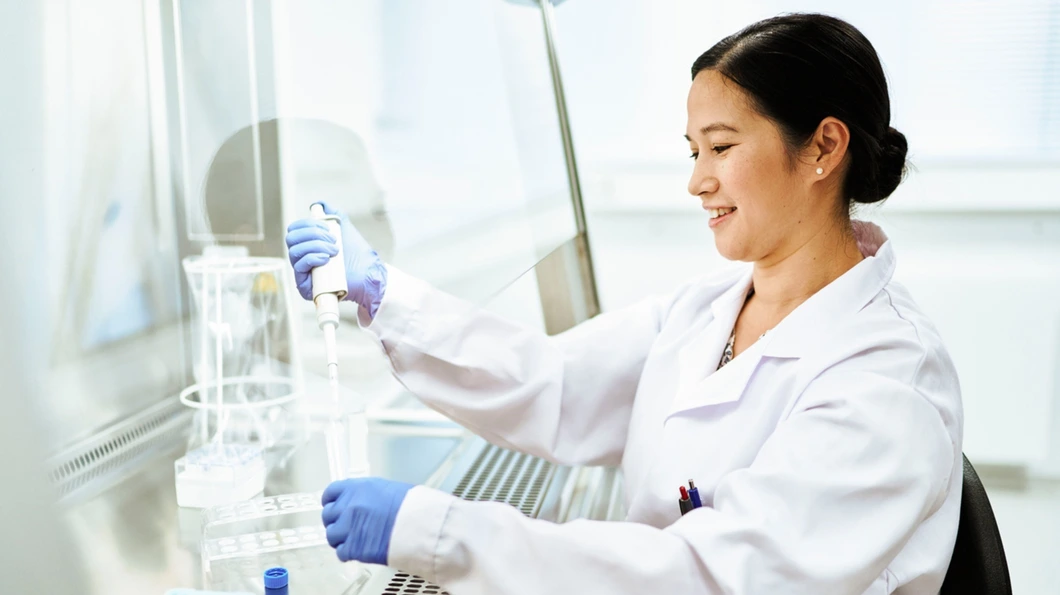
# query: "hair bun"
x,y
891,165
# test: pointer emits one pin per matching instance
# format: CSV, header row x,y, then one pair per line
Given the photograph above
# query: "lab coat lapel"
x,y
803,331
700,382
722,386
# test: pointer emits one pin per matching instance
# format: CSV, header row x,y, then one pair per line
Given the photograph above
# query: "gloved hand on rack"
x,y
359,517
309,245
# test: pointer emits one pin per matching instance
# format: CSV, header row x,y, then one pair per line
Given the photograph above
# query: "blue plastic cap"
x,y
276,578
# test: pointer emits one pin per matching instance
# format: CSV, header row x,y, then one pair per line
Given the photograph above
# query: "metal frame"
x,y
268,241
565,277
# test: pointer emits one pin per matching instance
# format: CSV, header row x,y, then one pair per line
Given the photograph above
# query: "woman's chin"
x,y
728,251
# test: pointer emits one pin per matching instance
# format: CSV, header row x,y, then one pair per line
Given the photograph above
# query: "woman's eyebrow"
x,y
715,127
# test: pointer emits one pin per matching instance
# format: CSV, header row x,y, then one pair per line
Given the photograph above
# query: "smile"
x,y
719,216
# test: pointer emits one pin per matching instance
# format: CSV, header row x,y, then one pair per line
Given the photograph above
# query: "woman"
x,y
807,395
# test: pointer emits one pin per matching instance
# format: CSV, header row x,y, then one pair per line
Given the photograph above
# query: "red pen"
x,y
684,502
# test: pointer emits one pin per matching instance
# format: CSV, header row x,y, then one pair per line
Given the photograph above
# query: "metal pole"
x,y
582,285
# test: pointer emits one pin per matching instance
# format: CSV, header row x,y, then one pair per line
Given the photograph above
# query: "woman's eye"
x,y
694,155
719,149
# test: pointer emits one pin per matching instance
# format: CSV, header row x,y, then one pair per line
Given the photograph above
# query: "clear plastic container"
x,y
343,424
247,376
346,435
219,473
245,362
242,540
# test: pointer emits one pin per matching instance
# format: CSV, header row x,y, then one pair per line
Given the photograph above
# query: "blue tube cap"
x,y
276,578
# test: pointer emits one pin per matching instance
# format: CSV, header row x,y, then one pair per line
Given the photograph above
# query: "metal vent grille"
x,y
115,447
500,475
497,475
407,584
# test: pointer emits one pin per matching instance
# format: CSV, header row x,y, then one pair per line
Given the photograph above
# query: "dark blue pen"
x,y
693,493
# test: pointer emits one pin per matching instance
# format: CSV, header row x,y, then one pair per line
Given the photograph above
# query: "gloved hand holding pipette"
x,y
311,245
333,262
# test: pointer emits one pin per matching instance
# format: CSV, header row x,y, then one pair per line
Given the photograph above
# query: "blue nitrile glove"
x,y
309,245
359,517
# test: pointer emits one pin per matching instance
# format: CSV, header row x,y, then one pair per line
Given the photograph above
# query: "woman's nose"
x,y
702,183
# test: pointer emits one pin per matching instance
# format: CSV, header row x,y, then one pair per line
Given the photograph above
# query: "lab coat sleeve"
x,y
830,500
565,398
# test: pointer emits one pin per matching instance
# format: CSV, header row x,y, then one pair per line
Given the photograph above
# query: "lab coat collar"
x,y
810,324
800,333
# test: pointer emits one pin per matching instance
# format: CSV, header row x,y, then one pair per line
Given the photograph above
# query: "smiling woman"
x,y
792,114
789,125
811,402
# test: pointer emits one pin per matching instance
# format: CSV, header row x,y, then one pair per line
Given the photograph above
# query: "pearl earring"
x,y
820,170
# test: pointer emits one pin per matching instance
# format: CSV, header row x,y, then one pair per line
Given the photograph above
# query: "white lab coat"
x,y
827,455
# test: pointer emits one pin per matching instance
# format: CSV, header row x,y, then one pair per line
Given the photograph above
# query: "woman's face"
x,y
758,198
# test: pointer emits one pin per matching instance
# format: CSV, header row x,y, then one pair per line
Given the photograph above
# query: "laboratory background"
x,y
168,419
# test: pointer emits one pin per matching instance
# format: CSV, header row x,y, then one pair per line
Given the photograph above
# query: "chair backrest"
x,y
978,565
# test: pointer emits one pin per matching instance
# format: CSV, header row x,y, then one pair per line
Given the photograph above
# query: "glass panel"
x,y
434,125
217,95
110,266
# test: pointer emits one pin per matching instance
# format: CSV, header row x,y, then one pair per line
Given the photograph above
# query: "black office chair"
x,y
978,566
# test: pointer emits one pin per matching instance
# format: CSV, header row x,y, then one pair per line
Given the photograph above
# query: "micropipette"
x,y
329,286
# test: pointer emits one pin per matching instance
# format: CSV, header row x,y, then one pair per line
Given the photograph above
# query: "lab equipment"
x,y
307,241
219,473
212,91
276,581
329,287
319,261
243,539
359,516
245,374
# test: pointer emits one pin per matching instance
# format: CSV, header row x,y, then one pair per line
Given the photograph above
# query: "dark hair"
x,y
799,69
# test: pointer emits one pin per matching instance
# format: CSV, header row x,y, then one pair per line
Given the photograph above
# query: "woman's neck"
x,y
783,282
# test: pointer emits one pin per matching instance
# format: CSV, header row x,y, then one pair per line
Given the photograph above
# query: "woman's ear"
x,y
828,147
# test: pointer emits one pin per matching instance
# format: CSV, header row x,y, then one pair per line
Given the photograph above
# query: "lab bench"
x,y
136,540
